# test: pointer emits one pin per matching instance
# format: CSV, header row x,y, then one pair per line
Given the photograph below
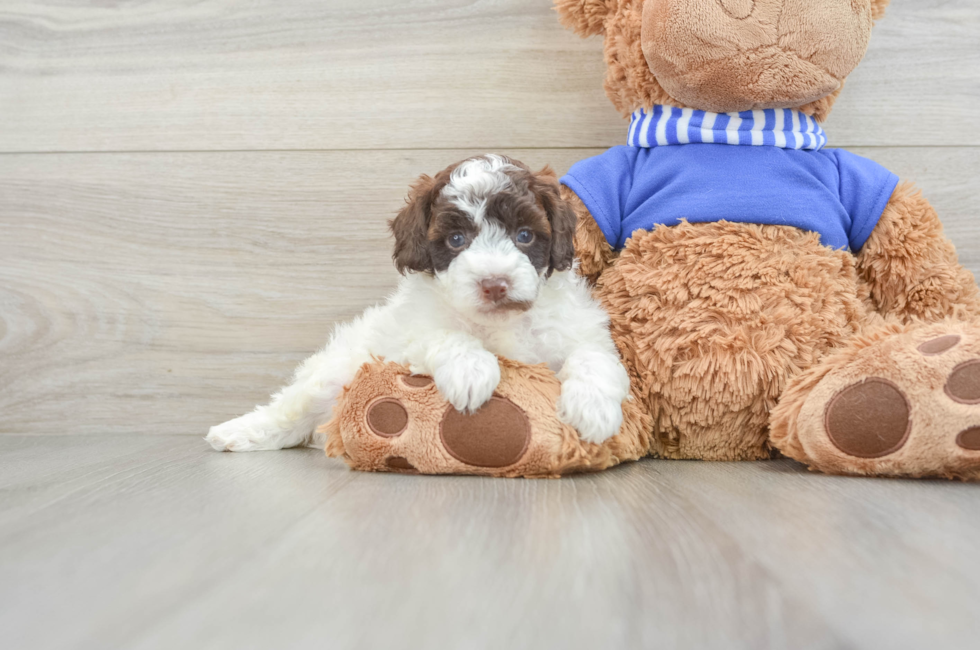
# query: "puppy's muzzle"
x,y
494,290
495,293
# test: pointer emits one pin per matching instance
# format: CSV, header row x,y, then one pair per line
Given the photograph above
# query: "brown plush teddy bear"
x,y
765,292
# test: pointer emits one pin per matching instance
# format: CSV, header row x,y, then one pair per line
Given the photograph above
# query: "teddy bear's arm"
x,y
591,248
910,267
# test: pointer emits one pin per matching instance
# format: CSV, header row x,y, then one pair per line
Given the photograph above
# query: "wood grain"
x,y
234,166
157,542
166,292
163,293
371,74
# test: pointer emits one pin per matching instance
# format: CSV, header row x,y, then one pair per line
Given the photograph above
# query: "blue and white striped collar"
x,y
780,127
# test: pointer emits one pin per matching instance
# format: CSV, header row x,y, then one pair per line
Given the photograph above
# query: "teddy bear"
x,y
768,295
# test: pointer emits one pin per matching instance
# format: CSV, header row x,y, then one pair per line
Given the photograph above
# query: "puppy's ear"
x,y
411,227
562,218
584,17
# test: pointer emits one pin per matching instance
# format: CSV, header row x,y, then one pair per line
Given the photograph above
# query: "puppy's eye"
x,y
456,241
525,236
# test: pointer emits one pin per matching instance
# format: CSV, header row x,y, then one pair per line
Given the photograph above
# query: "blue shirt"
x,y
832,192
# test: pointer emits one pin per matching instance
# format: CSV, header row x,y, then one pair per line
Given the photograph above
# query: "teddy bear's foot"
x,y
389,420
904,401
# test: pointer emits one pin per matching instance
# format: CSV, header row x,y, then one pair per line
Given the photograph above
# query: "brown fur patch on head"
x,y
561,217
521,209
537,203
425,228
411,226
447,220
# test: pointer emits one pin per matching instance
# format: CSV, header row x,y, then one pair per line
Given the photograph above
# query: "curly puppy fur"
x,y
486,247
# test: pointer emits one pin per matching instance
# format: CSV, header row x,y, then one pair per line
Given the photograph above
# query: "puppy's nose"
x,y
493,289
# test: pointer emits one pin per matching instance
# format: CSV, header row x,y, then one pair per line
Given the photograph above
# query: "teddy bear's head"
x,y
726,55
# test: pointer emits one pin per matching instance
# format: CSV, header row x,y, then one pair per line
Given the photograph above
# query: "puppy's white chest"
x,y
515,342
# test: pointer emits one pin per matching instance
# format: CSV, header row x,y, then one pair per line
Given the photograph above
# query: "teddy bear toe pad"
x,y
969,439
495,436
907,404
870,419
963,385
387,417
939,344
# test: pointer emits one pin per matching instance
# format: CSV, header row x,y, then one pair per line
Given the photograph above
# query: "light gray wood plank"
x,y
355,74
169,292
159,542
163,293
855,528
102,536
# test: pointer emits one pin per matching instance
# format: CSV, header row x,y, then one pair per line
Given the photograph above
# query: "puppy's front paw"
x,y
594,414
469,380
250,432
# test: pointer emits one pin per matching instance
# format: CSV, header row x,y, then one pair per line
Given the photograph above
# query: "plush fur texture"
x,y
739,340
739,55
584,17
742,339
597,254
630,82
487,246
712,320
891,352
910,268
551,447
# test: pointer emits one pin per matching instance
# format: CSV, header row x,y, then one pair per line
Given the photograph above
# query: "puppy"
x,y
486,252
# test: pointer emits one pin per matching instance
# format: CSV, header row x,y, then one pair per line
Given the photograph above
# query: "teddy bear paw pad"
x,y
969,439
387,417
905,403
939,345
400,464
497,435
390,420
416,381
963,385
870,419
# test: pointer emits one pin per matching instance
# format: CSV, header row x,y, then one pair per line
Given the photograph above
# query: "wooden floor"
x,y
151,542
192,192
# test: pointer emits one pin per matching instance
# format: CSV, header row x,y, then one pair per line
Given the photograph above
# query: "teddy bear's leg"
x,y
712,321
391,420
901,401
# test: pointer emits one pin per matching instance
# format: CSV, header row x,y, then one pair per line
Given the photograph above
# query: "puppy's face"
x,y
489,231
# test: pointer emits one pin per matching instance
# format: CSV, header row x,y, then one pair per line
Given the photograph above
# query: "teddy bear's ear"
x,y
585,17
878,8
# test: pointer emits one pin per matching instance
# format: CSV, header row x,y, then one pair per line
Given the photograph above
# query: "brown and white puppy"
x,y
489,229
486,250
